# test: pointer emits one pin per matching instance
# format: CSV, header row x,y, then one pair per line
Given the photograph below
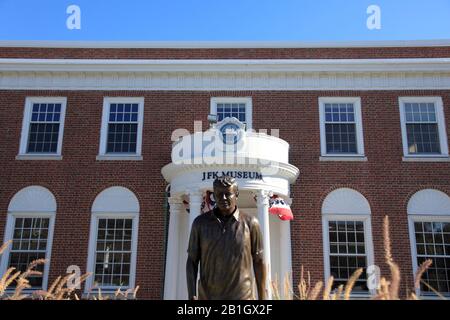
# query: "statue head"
x,y
226,193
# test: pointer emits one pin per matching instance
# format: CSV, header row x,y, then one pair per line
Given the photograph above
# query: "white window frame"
x,y
360,154
107,101
29,101
9,232
89,287
368,242
412,236
441,127
248,107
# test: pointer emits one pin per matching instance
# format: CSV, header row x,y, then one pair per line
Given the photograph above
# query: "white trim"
x,y
239,80
116,199
343,158
431,202
26,126
222,44
118,158
345,201
283,170
246,100
9,231
356,101
225,74
425,159
33,198
368,241
440,121
104,129
412,237
38,157
93,243
226,65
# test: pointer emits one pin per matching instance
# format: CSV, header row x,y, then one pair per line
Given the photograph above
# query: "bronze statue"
x,y
226,243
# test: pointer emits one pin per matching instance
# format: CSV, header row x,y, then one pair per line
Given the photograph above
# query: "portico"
x,y
258,161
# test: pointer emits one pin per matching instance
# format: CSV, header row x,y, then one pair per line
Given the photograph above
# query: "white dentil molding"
x,y
242,81
226,65
200,75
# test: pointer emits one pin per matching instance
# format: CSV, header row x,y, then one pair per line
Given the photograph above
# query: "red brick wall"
x,y
384,179
293,53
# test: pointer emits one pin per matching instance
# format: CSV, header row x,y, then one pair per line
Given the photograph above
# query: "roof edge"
x,y
227,65
222,44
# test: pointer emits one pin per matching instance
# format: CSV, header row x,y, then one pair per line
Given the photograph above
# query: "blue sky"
x,y
226,20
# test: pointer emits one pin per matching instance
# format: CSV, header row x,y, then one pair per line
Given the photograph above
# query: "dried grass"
x,y
423,267
388,288
60,290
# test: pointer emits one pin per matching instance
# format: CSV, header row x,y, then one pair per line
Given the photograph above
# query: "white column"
x,y
195,205
262,205
285,255
172,254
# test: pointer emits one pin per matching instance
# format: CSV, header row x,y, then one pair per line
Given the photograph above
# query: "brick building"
x,y
93,165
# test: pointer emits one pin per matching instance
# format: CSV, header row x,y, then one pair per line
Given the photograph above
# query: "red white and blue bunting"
x,y
279,207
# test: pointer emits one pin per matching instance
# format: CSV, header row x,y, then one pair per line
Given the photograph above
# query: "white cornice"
x,y
223,44
227,65
232,74
284,170
236,81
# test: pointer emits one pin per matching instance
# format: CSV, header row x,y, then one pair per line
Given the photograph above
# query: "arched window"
x,y
113,240
429,228
31,217
347,237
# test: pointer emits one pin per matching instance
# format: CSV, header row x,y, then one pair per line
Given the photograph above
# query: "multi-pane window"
x,y
347,252
122,123
29,243
43,126
236,110
229,107
433,242
340,128
122,128
422,128
341,133
113,252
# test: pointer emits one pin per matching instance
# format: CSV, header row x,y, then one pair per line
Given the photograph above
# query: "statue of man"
x,y
228,246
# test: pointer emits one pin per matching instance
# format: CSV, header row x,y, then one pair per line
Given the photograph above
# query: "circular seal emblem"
x,y
231,133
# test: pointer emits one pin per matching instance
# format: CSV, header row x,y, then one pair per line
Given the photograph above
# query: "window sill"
x,y
343,158
118,157
38,157
426,159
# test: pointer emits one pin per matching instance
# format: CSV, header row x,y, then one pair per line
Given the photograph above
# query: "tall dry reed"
x,y
388,289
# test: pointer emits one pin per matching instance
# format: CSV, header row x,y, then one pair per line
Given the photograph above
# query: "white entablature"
x,y
258,161
229,74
